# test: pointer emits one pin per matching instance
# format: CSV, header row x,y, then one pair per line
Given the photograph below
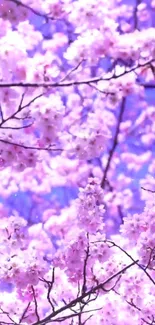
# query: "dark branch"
x,y
140,266
84,287
36,304
115,142
24,313
145,189
29,147
86,294
34,11
73,82
135,16
14,115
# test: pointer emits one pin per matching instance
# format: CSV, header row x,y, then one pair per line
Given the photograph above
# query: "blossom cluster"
x,y
8,11
21,264
90,207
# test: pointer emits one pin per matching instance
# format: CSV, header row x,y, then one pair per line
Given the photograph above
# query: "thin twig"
x,y
29,147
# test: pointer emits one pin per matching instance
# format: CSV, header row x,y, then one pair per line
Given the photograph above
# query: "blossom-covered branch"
x,y
74,82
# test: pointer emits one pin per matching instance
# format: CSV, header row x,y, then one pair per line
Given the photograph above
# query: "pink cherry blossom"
x,y
77,131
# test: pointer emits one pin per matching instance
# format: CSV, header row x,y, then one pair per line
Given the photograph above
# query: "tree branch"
x,y
30,147
135,17
84,295
73,82
115,142
125,252
34,11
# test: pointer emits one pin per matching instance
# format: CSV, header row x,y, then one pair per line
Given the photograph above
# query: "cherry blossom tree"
x,y
77,116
